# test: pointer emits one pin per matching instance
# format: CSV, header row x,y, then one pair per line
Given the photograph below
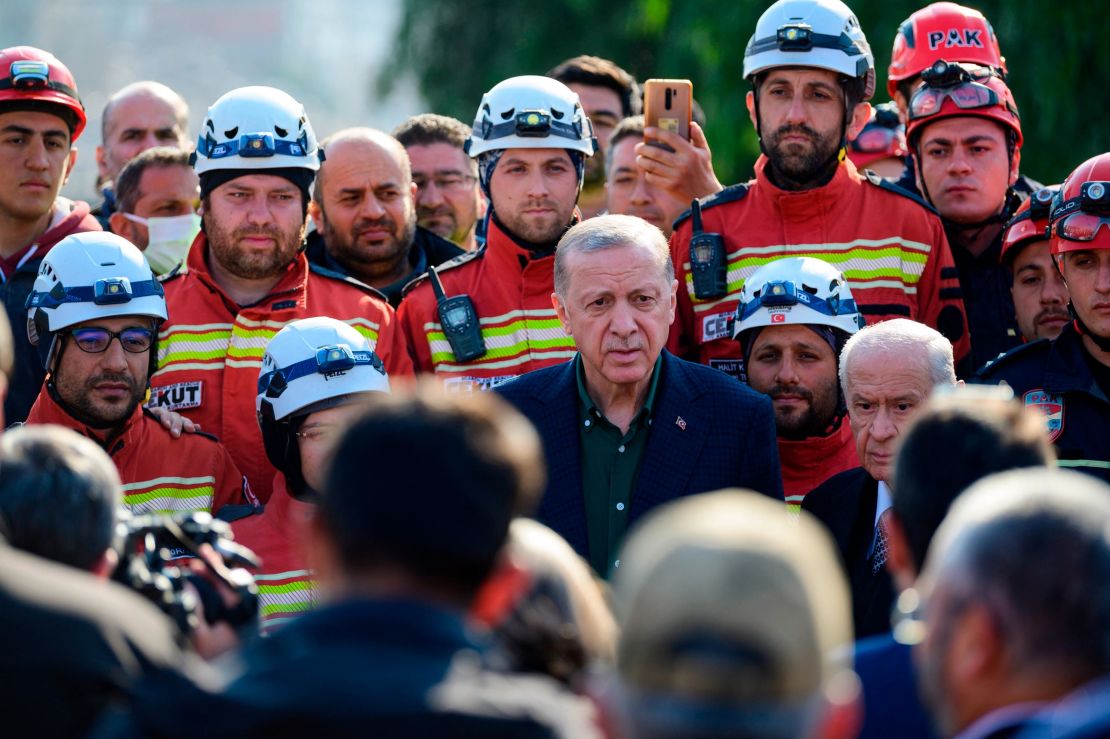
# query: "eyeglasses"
x,y
94,340
317,434
449,182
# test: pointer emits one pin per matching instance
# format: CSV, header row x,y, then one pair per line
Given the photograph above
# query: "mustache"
x,y
426,212
623,345
270,231
123,379
800,128
778,391
1052,313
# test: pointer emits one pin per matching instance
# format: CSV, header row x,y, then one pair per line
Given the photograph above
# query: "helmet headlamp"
x,y
29,74
111,290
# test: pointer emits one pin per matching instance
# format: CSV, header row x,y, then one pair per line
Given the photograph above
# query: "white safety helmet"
x,y
254,128
310,365
90,275
824,34
531,112
797,290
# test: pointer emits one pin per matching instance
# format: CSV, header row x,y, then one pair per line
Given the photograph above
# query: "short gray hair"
x,y
1033,546
605,232
903,335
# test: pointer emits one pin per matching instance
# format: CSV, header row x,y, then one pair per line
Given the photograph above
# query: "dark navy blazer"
x,y
708,432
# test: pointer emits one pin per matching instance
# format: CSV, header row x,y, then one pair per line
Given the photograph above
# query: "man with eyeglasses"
x,y
449,201
1068,379
316,375
94,315
363,205
964,133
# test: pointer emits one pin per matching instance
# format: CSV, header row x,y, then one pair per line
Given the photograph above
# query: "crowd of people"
x,y
532,427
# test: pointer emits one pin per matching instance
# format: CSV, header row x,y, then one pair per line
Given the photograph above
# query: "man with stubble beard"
x,y
492,317
245,276
364,208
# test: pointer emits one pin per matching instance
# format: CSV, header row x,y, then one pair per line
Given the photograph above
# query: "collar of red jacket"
x,y
817,449
291,284
47,410
804,202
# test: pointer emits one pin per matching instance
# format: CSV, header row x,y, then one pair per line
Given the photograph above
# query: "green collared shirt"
x,y
610,466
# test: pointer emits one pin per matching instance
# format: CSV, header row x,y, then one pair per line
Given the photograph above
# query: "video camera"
x,y
153,549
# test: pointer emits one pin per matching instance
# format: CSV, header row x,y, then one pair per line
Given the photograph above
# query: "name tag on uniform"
x,y
178,396
717,326
474,384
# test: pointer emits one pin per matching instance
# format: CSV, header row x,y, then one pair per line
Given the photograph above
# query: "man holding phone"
x,y
808,99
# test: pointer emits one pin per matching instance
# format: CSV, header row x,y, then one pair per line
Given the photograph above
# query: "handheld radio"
x,y
708,263
459,321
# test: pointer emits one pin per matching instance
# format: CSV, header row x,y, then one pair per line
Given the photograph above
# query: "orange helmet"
x,y
942,31
1029,223
35,79
1081,208
951,89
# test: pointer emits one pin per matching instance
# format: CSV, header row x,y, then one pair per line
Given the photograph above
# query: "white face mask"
x,y
170,239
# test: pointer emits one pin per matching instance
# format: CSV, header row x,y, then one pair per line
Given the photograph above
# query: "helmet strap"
x,y
1102,342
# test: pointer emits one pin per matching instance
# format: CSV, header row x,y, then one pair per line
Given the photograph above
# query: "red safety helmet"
x,y
1029,223
942,31
1082,208
35,76
950,89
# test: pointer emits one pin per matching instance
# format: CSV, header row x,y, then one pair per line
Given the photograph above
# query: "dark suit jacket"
x,y
891,704
708,432
845,503
72,646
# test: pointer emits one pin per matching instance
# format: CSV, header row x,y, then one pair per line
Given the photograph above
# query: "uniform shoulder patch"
x,y
889,186
332,274
458,261
1006,359
730,194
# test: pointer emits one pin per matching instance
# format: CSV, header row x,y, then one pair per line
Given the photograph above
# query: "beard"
x,y
253,264
541,231
81,398
371,259
800,163
812,419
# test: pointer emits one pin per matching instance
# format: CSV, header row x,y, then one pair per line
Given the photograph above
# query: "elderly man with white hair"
x,y
887,372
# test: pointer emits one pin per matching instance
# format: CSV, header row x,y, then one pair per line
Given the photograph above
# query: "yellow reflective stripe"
x,y
170,481
170,494
505,364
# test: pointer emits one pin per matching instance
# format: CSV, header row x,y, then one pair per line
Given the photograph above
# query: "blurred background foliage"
x,y
459,50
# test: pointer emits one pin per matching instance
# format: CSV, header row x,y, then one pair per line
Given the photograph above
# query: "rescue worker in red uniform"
x,y
964,133
314,374
943,30
43,115
795,316
1068,378
246,275
1039,292
94,315
811,72
492,319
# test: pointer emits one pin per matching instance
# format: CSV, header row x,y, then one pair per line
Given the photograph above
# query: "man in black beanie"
x,y
246,275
